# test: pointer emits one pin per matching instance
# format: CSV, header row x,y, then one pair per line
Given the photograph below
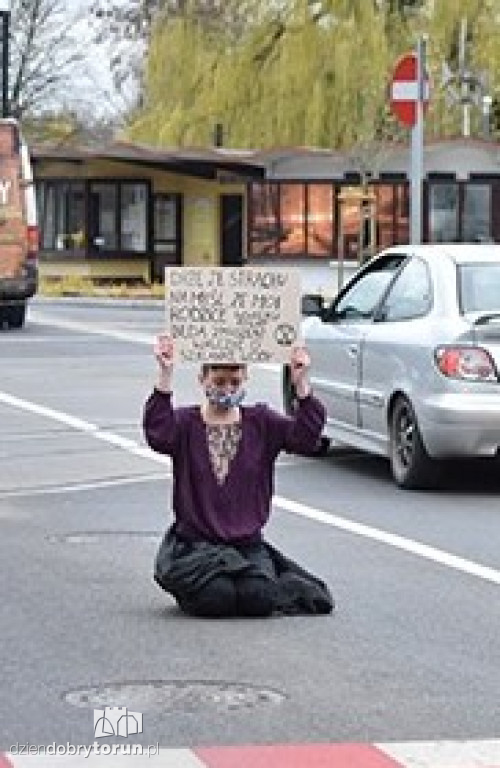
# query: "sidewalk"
x,y
316,277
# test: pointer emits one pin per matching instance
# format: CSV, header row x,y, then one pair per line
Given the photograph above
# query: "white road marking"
x,y
439,556
113,333
445,754
166,758
121,335
424,551
54,490
84,426
16,340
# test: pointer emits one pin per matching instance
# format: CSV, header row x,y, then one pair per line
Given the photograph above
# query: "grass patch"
x,y
73,285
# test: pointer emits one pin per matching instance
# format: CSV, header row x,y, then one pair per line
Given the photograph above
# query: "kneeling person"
x,y
214,559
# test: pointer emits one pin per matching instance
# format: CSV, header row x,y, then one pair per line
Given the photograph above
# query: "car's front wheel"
x,y
411,465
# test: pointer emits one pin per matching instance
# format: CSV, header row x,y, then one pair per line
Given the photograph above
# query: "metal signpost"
x,y
409,97
5,17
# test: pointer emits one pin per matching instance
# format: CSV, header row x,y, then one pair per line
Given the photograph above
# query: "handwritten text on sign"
x,y
226,314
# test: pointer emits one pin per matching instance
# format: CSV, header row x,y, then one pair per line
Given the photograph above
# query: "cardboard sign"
x,y
233,314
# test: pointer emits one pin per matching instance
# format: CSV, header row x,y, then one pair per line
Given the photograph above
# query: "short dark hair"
x,y
231,367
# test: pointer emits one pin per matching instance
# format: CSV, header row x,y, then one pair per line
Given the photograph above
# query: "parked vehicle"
x,y
18,227
406,357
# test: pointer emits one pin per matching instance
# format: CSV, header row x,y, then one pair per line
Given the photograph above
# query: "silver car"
x,y
406,358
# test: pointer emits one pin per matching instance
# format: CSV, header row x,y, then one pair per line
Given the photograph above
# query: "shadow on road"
x,y
474,476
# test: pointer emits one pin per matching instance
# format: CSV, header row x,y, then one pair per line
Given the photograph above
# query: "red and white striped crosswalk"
x,y
440,754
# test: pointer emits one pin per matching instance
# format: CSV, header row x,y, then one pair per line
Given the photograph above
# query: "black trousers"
x,y
219,579
242,594
225,596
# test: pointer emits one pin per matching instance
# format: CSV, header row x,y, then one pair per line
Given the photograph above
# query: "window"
x,y
410,295
166,214
362,298
320,225
443,212
265,230
350,217
293,219
133,204
402,214
61,209
385,214
476,221
118,216
104,212
479,286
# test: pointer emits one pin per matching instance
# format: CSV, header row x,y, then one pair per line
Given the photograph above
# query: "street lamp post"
x,y
5,16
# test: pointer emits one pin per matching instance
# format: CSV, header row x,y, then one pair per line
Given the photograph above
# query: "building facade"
x,y
127,211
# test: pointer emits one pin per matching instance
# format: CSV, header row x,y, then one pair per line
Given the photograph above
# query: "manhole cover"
x,y
95,537
185,695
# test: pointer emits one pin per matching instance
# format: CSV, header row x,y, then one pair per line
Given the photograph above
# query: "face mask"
x,y
225,400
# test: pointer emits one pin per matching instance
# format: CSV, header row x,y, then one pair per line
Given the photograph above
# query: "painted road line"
x,y
121,335
166,758
133,337
425,551
80,425
96,485
444,754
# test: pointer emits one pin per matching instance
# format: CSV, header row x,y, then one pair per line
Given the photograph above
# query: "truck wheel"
x,y
411,465
16,315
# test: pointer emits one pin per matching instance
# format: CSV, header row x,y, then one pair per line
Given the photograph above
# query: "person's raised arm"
x,y
301,432
159,421
164,353
300,363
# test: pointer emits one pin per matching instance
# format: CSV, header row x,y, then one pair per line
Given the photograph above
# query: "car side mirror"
x,y
312,305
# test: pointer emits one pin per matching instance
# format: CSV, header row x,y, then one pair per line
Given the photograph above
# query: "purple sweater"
x,y
237,509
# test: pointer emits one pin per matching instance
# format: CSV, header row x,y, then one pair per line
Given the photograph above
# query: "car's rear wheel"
x,y
411,465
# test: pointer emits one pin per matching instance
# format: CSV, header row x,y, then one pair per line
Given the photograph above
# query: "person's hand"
x,y
300,362
164,353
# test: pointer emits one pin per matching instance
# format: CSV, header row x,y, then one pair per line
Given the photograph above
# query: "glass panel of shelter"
x,y
61,206
302,219
476,219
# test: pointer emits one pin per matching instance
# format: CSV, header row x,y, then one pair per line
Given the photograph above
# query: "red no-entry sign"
x,y
404,90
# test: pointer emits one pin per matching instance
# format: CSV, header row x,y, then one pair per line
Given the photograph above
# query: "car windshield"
x,y
479,286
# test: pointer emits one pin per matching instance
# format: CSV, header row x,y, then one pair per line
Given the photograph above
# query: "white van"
x,y
18,226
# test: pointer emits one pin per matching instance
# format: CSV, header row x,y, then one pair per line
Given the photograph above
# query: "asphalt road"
x,y
411,652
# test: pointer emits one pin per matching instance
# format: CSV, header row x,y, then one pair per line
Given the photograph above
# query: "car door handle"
x,y
353,350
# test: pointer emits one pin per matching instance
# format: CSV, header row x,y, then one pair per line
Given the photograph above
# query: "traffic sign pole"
x,y
417,147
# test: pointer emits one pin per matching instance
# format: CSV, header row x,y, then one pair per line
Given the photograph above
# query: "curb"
x,y
97,301
439,754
